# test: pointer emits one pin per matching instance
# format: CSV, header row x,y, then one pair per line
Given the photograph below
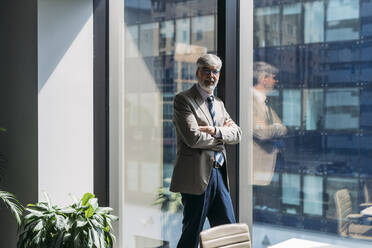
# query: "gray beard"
x,y
209,88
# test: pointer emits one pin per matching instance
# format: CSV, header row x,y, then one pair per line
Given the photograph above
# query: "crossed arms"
x,y
202,137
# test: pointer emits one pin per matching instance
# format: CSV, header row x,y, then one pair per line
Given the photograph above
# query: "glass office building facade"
x,y
322,52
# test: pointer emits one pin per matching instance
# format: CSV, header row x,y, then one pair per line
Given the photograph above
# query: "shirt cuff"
x,y
218,133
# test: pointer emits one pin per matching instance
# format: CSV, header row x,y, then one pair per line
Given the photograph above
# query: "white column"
x,y
65,98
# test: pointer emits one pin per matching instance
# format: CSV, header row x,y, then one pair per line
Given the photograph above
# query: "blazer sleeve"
x,y
266,132
188,129
230,135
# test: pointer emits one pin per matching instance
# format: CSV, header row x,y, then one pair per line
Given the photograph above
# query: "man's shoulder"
x,y
217,99
185,94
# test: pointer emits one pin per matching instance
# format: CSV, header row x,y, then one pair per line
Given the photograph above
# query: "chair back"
x,y
229,235
344,208
368,191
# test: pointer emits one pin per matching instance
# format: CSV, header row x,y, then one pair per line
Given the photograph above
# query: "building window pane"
x,y
313,109
342,20
342,109
292,108
267,26
291,24
314,22
203,32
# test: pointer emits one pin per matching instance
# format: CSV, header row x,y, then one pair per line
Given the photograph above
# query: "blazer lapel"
x,y
201,103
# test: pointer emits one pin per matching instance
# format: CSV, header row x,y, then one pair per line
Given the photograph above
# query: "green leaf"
x,y
67,210
80,222
60,222
13,204
48,200
38,207
90,238
86,198
96,240
76,226
93,202
89,212
112,217
104,210
38,226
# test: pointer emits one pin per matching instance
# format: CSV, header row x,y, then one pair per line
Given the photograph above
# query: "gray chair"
x,y
226,236
367,188
349,223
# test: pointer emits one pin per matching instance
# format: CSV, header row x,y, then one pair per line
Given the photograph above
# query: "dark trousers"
x,y
215,203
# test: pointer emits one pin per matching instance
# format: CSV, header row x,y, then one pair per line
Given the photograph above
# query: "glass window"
x,y
291,24
311,149
342,20
313,108
167,37
183,36
163,40
314,21
342,109
313,195
203,32
149,39
366,18
292,108
267,26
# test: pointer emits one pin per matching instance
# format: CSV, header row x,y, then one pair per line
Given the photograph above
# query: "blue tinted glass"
x,y
366,18
342,62
323,99
269,55
291,24
366,156
366,62
314,68
342,20
341,155
366,109
341,109
314,22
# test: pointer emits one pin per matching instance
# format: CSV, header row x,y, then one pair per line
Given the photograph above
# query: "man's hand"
x,y
212,130
208,129
228,123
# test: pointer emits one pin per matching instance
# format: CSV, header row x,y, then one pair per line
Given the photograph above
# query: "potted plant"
x,y
82,224
169,201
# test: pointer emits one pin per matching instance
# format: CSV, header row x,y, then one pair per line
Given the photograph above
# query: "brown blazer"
x,y
195,149
264,149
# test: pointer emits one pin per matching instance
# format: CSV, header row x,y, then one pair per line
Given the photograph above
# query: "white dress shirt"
x,y
205,95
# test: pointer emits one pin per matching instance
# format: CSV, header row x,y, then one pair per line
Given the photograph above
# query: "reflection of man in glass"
x,y
203,127
267,127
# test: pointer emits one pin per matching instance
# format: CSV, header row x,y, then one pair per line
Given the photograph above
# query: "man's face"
x,y
208,78
269,82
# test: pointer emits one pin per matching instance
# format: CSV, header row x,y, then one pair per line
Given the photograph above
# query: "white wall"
x,y
65,98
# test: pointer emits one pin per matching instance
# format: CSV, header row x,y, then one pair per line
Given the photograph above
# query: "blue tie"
x,y
218,156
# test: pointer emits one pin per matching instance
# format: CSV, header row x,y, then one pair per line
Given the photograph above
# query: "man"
x,y
267,127
203,127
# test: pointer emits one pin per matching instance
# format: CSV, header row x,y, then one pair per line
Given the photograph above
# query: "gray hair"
x,y
263,69
208,60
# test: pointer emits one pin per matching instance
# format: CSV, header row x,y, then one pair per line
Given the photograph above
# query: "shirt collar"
x,y
202,93
260,96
